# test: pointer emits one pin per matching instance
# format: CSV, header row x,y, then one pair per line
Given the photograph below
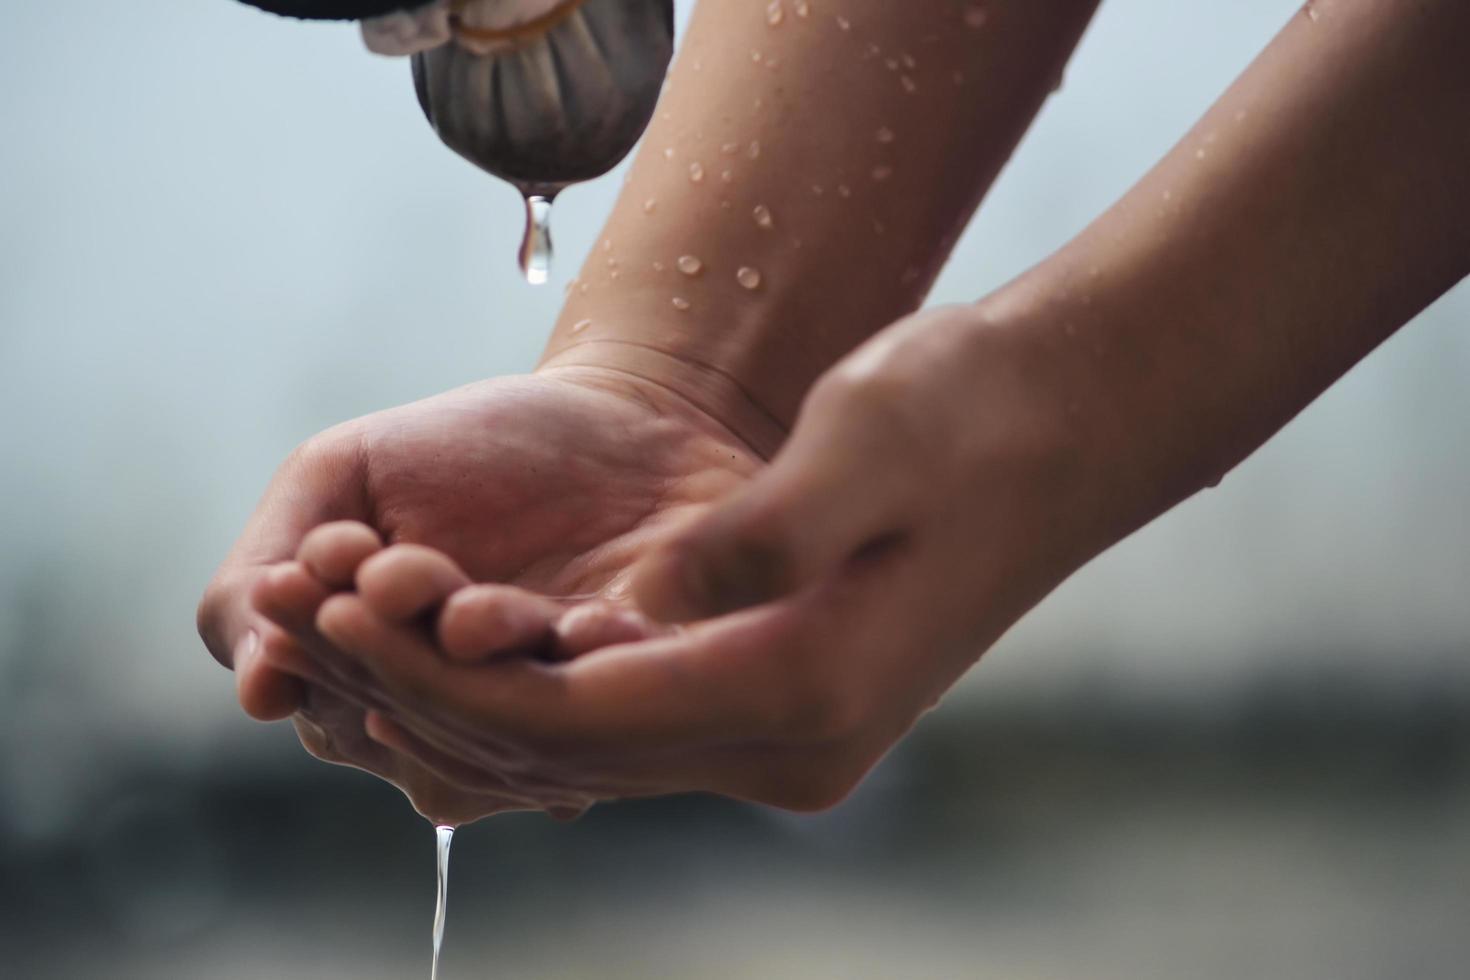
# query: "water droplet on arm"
x,y
763,217
749,277
690,265
536,249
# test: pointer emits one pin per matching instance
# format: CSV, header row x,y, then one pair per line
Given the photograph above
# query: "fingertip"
x,y
406,581
265,692
333,552
343,619
481,621
288,595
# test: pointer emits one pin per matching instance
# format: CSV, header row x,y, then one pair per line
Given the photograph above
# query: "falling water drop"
x,y
536,251
749,277
445,837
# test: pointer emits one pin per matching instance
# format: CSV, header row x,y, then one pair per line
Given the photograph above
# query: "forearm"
x,y
868,134
1317,207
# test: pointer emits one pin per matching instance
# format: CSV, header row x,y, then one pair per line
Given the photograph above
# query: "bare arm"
x,y
837,151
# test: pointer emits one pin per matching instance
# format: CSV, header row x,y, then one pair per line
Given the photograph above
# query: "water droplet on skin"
x,y
581,325
908,61
668,153
1168,195
756,56
749,277
881,174
763,217
571,285
649,206
659,267
730,149
976,16
607,244
818,190
536,250
681,304
725,204
1070,329
892,64
873,50
843,24
754,150
909,85
690,265
1240,115
879,227
1311,11
844,191
774,13
910,275
583,288
1093,272
1199,154
728,176
885,135
773,62
615,275
803,9
958,78
696,173
796,243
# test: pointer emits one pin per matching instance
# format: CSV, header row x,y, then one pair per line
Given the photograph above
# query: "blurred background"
x,y
1236,745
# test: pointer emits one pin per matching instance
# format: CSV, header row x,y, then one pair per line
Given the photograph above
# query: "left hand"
x,y
936,486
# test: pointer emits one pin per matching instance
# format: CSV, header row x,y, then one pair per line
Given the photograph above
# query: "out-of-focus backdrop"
x,y
1237,745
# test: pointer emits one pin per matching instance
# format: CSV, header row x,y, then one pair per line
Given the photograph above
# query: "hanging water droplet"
x,y
885,135
763,217
444,837
690,265
696,173
681,304
581,325
536,250
749,277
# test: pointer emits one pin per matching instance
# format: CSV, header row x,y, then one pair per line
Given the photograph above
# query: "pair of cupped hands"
x,y
544,591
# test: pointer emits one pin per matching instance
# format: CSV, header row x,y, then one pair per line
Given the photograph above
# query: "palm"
x,y
552,484
556,483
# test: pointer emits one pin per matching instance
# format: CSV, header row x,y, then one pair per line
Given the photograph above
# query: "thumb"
x,y
826,498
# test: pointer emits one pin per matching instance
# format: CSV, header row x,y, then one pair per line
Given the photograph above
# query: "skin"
x,y
950,472
732,368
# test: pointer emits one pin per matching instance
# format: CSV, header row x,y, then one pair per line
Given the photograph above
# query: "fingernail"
x,y
246,649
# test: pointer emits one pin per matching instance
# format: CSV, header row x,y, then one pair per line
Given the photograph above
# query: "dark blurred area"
x,y
1313,831
1237,745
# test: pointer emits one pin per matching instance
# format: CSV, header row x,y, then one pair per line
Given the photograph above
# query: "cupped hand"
x,y
551,486
937,484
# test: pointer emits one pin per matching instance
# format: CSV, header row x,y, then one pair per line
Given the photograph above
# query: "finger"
x,y
830,495
482,621
333,552
289,596
266,692
594,625
665,694
406,581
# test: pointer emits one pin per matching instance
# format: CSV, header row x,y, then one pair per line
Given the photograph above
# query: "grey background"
x,y
1231,746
